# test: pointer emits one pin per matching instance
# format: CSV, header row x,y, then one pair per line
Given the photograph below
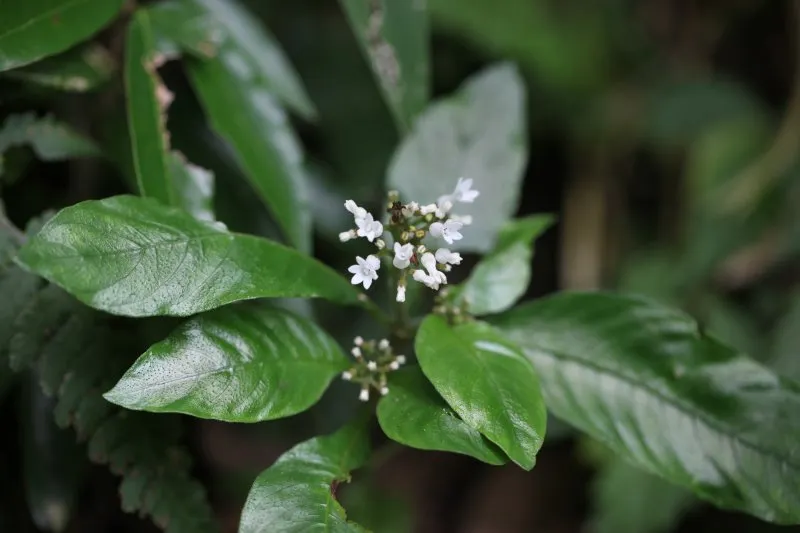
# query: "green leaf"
x,y
478,133
237,364
247,115
487,381
183,25
502,277
297,493
194,186
646,382
395,37
38,28
50,140
785,352
79,69
414,414
136,257
147,98
630,500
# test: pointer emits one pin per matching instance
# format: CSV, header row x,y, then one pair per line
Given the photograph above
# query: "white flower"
x,y
445,256
383,344
394,365
449,231
402,255
347,235
410,209
428,209
372,366
401,293
401,359
384,390
358,212
347,376
443,206
358,341
422,277
464,219
429,262
369,227
364,395
464,192
365,271
356,351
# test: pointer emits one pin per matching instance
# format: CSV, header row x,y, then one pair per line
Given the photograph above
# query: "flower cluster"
x,y
374,360
408,225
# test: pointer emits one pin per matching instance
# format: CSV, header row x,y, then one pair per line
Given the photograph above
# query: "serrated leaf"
x,y
502,277
39,28
646,382
297,493
414,414
136,257
395,37
79,69
478,133
50,140
258,130
238,364
487,381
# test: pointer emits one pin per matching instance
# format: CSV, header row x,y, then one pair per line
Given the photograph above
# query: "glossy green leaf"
x,y
298,492
38,28
502,277
136,257
79,69
241,363
487,381
248,116
646,382
478,133
184,26
394,36
414,414
147,99
49,139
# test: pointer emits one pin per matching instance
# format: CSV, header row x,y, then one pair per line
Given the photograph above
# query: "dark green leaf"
x,y
297,493
502,277
147,98
50,140
136,257
642,379
183,25
38,28
488,382
630,500
248,116
238,364
395,38
79,69
414,414
480,134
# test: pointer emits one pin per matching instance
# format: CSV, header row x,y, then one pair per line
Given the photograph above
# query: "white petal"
x,y
351,206
428,261
401,293
436,229
400,263
443,255
364,395
346,235
428,209
358,277
367,282
372,262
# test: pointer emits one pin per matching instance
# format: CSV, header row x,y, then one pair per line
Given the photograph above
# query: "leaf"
x,y
395,37
39,28
297,493
147,100
487,381
785,352
646,382
478,133
135,257
247,115
502,277
194,186
630,500
415,415
183,25
237,364
80,69
50,140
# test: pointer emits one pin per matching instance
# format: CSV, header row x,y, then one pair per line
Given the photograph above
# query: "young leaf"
x,y
136,257
487,381
395,38
502,277
646,382
237,364
39,28
298,492
414,414
79,69
260,133
479,133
